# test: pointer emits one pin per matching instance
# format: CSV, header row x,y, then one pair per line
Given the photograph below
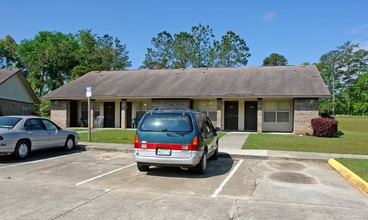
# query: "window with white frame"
x,y
140,109
276,111
96,109
209,108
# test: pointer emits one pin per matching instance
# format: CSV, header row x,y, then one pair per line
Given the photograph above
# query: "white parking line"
x,y
219,189
96,177
37,161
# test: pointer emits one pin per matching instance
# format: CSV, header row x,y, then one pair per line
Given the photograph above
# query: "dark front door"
x,y
73,114
250,116
109,113
129,115
231,115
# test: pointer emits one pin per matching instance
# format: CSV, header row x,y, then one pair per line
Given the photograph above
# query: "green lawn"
x,y
358,166
77,129
110,136
353,141
117,136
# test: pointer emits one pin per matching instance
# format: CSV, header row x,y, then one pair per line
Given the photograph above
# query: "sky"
x,y
299,30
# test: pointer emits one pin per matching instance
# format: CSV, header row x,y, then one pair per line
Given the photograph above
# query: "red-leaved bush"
x,y
324,127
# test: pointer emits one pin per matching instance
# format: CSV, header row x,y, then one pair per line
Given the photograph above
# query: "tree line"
x,y
51,59
344,71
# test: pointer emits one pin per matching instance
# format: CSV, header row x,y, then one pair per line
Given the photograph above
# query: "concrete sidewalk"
x,y
230,146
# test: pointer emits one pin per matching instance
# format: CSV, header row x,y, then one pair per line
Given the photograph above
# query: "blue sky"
x,y
300,30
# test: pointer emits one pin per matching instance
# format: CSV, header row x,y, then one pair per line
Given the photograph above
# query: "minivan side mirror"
x,y
217,129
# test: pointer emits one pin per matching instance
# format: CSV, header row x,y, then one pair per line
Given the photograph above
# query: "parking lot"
x,y
107,185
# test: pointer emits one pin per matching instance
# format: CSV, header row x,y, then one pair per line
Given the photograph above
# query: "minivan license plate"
x,y
164,151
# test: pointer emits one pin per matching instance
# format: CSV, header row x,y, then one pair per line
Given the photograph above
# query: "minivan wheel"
x,y
215,155
201,167
142,168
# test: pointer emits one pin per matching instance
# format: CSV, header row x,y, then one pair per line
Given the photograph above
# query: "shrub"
x,y
324,127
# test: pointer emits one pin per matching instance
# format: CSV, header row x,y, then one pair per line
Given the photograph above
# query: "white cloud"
x,y
363,45
269,16
357,30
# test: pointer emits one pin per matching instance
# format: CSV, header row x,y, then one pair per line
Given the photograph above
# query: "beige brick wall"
x,y
170,103
304,111
123,114
60,113
259,115
11,107
219,113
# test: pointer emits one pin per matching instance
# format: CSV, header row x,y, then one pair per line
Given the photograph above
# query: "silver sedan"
x,y
21,134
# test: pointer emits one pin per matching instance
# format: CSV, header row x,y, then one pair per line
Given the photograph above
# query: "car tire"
x,y
22,150
142,168
201,167
215,155
69,143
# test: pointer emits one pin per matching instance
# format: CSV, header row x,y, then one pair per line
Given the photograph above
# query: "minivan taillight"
x,y
136,141
1,138
195,143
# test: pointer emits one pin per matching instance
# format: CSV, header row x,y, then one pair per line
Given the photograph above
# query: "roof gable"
x,y
14,86
280,81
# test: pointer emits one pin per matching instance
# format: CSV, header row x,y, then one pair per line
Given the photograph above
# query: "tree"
x,y
48,58
346,66
99,53
233,51
275,59
183,50
360,61
328,66
360,94
160,57
204,46
112,53
196,49
8,53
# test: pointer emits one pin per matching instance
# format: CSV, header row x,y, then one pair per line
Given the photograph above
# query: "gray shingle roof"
x,y
6,74
247,82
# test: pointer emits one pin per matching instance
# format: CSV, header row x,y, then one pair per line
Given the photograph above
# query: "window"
x,y
209,108
276,111
167,122
26,110
49,125
140,109
96,109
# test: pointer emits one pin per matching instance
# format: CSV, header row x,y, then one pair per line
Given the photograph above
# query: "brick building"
x,y
16,95
262,99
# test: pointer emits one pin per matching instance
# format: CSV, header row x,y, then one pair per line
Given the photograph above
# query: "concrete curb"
x,y
349,175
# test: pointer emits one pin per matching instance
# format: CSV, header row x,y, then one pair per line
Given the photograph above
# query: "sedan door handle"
x,y
29,133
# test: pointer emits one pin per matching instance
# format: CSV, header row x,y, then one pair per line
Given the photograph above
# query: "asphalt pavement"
x,y
230,146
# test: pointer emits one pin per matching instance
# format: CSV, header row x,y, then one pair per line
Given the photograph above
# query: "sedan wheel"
x,y
69,144
22,150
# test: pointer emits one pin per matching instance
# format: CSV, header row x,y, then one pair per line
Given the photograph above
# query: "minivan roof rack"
x,y
173,108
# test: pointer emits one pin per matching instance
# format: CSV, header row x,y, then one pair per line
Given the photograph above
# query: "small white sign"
x,y
89,91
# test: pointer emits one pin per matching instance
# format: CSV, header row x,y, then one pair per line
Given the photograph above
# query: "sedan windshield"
x,y
8,122
170,122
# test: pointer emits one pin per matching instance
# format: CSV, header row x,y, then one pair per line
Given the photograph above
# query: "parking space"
x,y
82,184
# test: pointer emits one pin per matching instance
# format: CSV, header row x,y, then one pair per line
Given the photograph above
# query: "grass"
x,y
117,136
221,134
358,166
354,139
77,129
110,136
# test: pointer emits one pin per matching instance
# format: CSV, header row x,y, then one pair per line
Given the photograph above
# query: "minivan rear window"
x,y
167,122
